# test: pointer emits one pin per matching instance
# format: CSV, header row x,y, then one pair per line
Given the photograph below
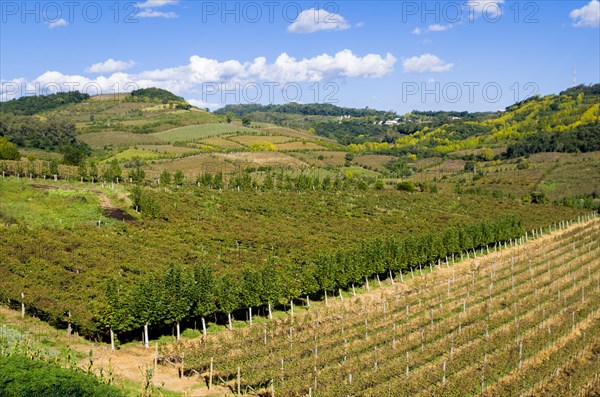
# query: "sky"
x,y
474,55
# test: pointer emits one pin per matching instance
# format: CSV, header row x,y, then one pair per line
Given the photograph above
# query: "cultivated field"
x,y
101,139
519,321
200,131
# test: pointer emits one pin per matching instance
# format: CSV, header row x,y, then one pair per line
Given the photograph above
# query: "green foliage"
x,y
8,151
76,153
246,120
165,178
29,105
406,186
178,178
163,96
30,131
20,376
584,138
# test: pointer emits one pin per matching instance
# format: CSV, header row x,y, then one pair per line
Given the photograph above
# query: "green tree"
x,y
229,117
204,293
165,178
178,178
177,297
228,296
246,121
8,151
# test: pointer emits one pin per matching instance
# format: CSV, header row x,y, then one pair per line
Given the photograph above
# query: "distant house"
x,y
391,122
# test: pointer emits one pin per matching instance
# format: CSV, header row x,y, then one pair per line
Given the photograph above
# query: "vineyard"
x,y
521,320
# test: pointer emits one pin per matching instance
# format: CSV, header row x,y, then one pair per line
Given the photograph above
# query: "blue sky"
x,y
471,55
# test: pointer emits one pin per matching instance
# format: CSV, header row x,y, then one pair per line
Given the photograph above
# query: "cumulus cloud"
x,y
199,70
314,20
110,66
588,15
156,3
426,63
58,23
491,8
148,9
417,31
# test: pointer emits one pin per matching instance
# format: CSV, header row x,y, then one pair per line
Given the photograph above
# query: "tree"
x,y
165,178
8,151
82,170
203,293
148,305
251,291
228,296
75,154
93,171
178,178
229,117
246,121
177,297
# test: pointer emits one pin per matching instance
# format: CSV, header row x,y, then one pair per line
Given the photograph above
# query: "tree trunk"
x,y
353,290
270,312
203,327
146,340
112,340
230,324
178,331
22,301
250,314
292,307
326,303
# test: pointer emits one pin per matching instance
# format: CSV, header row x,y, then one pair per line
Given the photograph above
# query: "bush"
x,y
20,376
8,151
406,186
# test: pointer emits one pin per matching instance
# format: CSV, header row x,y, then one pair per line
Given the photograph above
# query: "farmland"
x,y
309,249
523,319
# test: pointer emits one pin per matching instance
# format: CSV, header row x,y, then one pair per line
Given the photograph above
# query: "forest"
x,y
29,105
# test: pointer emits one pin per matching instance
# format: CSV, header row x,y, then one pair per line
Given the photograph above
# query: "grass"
x,y
197,132
298,146
248,140
101,139
55,208
221,142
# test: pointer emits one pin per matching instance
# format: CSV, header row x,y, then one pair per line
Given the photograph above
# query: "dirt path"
x,y
108,209
111,211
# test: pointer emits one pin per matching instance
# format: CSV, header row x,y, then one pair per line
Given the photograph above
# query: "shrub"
x,y
406,186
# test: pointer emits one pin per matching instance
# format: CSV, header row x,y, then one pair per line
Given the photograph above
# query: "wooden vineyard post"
x,y
444,378
239,381
22,294
326,302
210,374
392,277
112,339
69,329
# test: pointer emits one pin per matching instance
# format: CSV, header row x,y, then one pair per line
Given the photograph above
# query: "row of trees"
x,y
199,292
28,105
584,138
30,131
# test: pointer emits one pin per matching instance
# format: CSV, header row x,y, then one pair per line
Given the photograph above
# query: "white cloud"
x,y
199,70
426,63
588,15
148,9
491,8
416,31
313,20
110,66
148,13
156,3
203,105
58,23
439,28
